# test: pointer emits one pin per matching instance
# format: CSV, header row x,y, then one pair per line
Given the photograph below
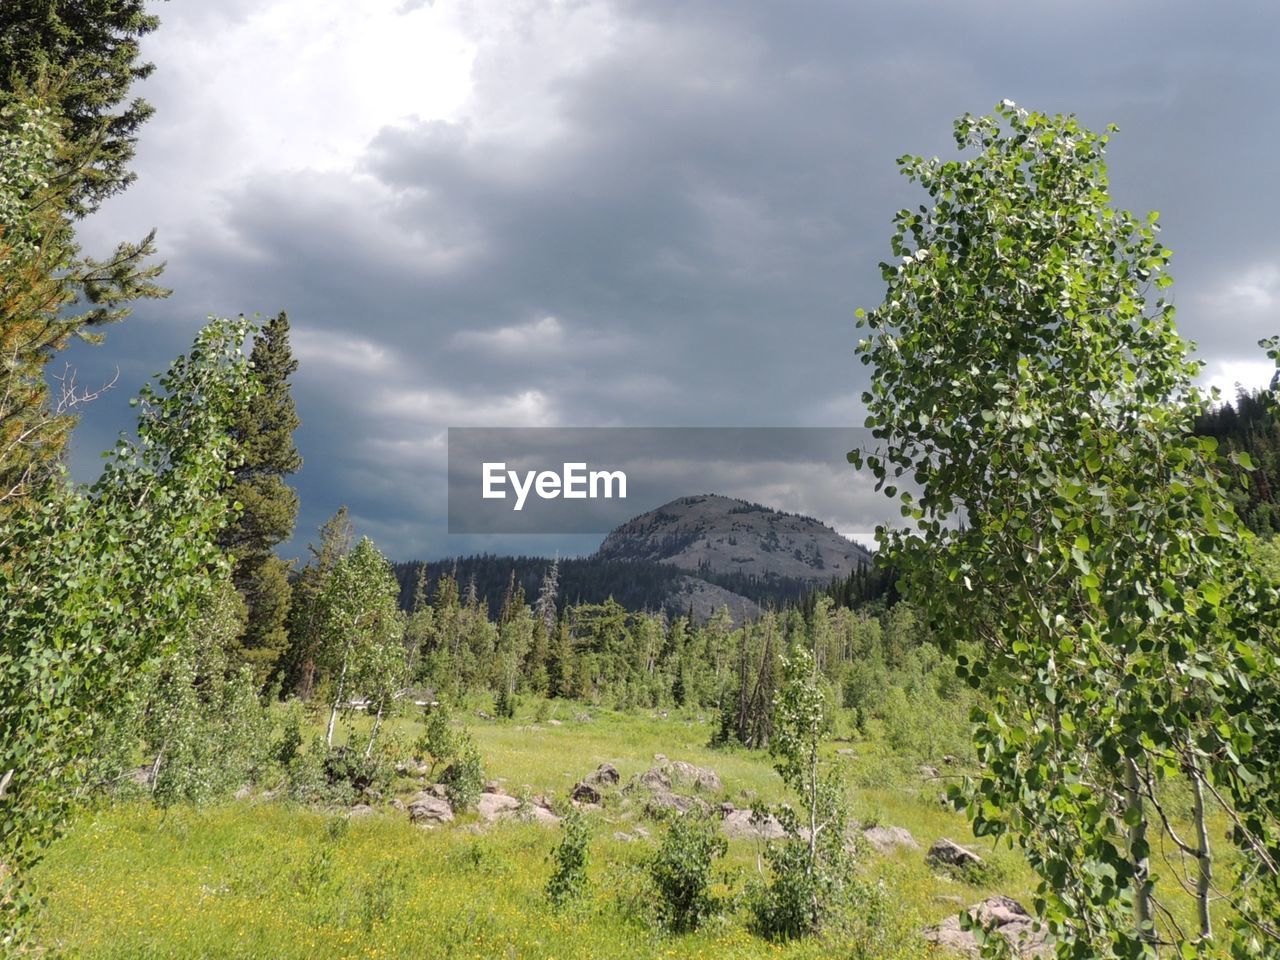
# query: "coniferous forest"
x,y
1041,719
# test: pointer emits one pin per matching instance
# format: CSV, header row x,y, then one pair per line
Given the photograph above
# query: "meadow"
x,y
260,877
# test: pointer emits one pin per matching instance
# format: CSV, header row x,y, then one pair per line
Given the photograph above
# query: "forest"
x,y
1044,722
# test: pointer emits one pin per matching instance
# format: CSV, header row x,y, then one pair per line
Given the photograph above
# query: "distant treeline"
x,y
1249,426
638,585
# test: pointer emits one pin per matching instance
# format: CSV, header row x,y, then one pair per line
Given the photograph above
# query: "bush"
x,y
568,881
680,871
439,743
464,778
349,772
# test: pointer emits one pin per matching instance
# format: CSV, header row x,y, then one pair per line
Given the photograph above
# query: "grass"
x,y
266,879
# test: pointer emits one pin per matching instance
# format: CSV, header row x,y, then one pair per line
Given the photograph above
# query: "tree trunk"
x,y
1204,856
337,700
1138,852
373,735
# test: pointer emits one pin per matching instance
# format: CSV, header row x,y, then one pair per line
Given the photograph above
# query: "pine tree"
x,y
547,596
264,443
91,50
50,292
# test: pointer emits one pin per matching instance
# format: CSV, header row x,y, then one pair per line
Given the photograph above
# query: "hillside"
x,y
694,554
715,535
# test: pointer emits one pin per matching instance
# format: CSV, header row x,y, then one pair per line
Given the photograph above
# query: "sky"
x,y
578,213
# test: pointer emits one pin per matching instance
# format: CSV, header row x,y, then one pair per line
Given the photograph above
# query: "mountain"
x,y
694,554
714,535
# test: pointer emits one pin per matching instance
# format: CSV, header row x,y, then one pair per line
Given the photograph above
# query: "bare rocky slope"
x,y
727,537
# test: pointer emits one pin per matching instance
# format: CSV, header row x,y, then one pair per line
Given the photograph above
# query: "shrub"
x,y
568,881
680,871
464,778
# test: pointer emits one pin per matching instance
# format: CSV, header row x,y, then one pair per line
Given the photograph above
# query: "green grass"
x,y
265,879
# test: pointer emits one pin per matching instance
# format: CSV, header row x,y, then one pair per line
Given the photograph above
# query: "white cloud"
x,y
537,336
322,348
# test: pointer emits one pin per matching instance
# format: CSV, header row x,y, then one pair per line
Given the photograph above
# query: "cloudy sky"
x,y
577,213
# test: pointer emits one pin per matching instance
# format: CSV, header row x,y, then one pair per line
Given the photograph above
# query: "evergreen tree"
x,y
49,292
547,597
91,49
264,444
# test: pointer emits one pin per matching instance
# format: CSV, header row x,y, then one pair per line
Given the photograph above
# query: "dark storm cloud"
x,y
685,234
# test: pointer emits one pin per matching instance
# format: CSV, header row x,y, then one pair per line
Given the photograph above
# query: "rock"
x,y
428,809
949,760
702,778
584,793
664,800
437,790
605,775
738,824
884,839
361,810
948,853
1002,915
555,723
582,717
652,779
493,786
846,752
928,773
666,774
398,804
244,793
495,806
640,833
538,813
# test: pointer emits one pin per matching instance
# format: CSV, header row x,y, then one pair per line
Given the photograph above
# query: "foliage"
x,y
360,629
1249,425
306,612
463,779
441,740
568,881
203,724
1027,375
43,279
810,869
94,50
99,583
680,871
265,454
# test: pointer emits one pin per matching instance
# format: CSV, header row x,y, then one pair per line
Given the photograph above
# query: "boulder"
x,y
884,839
496,806
361,810
652,779
584,793
662,801
1001,915
605,775
493,786
666,774
948,853
428,809
536,812
703,779
739,824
